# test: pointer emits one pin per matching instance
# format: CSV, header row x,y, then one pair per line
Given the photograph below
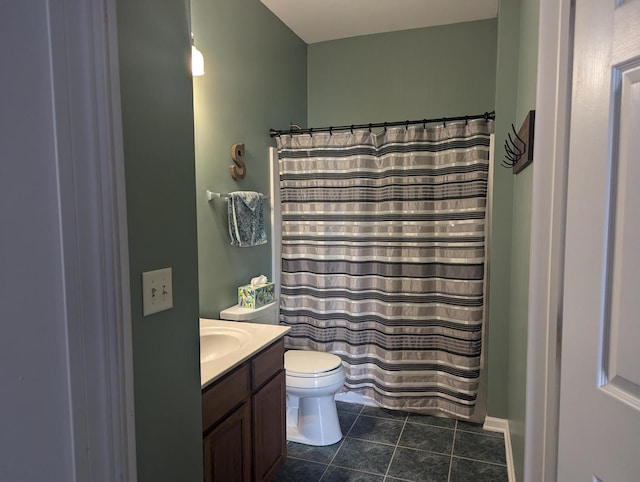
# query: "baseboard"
x,y
501,425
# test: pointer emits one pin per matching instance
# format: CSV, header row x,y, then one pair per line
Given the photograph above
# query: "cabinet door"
x,y
269,428
227,449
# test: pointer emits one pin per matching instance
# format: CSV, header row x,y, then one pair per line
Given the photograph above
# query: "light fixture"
x,y
197,59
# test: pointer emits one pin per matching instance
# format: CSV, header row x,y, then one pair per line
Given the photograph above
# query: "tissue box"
x,y
256,296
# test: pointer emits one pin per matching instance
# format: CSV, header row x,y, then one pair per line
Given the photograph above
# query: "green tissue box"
x,y
256,296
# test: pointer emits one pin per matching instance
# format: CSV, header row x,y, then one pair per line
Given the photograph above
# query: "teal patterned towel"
x,y
246,219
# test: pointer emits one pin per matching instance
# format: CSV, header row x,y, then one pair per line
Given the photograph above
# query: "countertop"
x,y
255,337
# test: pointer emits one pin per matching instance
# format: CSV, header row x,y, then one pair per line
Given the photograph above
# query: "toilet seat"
x,y
311,364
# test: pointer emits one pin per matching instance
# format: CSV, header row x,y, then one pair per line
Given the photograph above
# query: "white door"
x,y
599,437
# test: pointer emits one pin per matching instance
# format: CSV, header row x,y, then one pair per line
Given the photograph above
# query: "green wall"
x,y
157,116
521,238
517,363
501,211
448,70
515,96
255,80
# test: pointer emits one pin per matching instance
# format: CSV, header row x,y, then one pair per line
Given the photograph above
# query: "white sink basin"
x,y
226,344
216,342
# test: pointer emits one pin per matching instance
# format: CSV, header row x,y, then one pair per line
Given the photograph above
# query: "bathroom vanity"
x,y
243,403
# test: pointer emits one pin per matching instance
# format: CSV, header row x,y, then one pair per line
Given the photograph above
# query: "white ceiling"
x,y
321,20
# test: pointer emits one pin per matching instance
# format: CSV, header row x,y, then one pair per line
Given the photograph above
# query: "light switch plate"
x,y
157,292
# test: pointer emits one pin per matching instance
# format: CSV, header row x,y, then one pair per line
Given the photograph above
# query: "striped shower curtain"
x,y
383,252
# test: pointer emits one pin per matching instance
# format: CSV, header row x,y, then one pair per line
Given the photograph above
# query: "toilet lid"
x,y
301,362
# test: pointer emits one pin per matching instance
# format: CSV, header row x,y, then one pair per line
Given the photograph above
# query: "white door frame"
x,y
84,62
94,233
553,107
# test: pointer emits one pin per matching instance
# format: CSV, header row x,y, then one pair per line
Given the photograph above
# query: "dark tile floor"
x,y
384,445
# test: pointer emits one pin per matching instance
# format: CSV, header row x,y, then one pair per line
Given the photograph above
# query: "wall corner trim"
x,y
501,425
93,229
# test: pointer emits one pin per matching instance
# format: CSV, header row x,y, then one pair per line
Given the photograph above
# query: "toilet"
x,y
312,378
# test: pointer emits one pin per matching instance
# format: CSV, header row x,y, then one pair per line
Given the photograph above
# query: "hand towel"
x,y
246,219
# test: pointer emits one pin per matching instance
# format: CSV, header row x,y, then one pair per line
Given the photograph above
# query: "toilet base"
x,y
313,420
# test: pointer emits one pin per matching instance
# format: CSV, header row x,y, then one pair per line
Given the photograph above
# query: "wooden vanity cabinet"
x,y
268,412
227,448
244,425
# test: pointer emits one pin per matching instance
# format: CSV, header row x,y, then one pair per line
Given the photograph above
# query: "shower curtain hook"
x,y
385,127
331,130
311,132
369,128
406,125
424,124
445,122
351,128
466,120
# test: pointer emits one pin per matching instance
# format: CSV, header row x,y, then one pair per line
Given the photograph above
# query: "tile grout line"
x,y
359,471
434,452
375,442
332,458
395,448
453,446
484,433
481,461
344,437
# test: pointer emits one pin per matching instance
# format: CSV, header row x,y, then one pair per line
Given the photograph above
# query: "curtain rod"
x,y
291,132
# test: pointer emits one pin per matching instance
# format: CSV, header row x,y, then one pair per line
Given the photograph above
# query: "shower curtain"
x,y
383,252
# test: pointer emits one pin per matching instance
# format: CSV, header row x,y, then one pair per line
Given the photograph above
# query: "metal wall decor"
x,y
519,151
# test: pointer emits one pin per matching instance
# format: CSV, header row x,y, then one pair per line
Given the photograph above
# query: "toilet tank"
x,y
267,314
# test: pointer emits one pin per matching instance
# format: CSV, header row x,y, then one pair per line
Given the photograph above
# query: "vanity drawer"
x,y
224,395
267,364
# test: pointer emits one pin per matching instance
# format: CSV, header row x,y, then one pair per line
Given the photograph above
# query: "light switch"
x,y
157,292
